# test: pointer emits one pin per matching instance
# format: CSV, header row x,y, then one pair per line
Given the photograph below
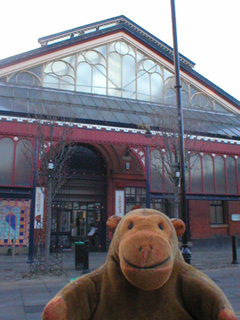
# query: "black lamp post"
x,y
183,201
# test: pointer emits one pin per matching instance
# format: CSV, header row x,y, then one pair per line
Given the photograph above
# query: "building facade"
x,y
118,82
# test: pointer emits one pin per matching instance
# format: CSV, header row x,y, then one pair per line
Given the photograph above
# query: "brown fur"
x,y
143,278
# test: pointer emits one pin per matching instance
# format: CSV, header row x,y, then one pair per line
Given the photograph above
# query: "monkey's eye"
x,y
130,226
160,226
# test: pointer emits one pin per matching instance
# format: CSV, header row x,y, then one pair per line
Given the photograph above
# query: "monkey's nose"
x,y
146,247
146,253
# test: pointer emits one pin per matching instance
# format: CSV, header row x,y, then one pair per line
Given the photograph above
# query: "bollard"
x,y
186,253
79,255
82,256
234,250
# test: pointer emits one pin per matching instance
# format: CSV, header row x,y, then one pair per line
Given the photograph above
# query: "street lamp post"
x,y
183,201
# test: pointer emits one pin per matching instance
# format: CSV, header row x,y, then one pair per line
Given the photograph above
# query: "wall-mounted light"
x,y
127,165
50,165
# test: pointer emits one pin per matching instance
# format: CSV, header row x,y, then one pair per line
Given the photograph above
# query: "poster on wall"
x,y
119,202
14,222
39,206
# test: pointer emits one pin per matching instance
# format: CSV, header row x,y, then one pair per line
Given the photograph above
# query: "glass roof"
x,y
115,111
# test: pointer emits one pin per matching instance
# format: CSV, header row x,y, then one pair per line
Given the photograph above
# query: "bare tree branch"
x,y
54,133
165,162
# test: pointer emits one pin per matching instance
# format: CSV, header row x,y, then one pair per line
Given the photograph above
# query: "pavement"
x,y
24,295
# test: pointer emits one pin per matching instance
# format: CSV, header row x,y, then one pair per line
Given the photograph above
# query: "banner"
x,y
39,206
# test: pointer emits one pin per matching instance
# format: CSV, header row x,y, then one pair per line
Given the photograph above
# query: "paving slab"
x,y
34,316
13,313
10,296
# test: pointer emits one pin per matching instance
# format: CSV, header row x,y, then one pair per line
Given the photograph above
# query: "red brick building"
x,y
119,81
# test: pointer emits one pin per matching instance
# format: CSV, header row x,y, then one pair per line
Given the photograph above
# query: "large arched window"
x,y
156,171
116,68
231,175
22,172
220,175
196,175
208,182
6,160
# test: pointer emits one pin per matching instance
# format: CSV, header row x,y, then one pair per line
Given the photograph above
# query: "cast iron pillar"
x,y
32,208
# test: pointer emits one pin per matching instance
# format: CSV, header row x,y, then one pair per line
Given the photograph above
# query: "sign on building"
x,y
119,203
235,217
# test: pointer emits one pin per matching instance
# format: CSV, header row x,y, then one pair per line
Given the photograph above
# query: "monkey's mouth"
x,y
145,268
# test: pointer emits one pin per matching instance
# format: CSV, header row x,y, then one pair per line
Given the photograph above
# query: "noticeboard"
x,y
235,217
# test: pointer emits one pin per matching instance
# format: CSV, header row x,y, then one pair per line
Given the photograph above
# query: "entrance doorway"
x,y
79,210
61,227
81,221
86,219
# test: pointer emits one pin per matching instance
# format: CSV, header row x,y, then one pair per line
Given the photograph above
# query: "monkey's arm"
x,y
203,298
76,301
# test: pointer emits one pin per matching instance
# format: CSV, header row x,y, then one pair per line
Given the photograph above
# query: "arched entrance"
x,y
79,209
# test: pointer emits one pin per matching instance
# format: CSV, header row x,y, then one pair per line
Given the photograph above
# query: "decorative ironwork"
x,y
55,259
141,155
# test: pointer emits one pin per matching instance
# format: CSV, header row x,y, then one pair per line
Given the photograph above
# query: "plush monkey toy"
x,y
143,278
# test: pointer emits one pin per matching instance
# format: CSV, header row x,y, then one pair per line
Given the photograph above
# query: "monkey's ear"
x,y
112,222
179,226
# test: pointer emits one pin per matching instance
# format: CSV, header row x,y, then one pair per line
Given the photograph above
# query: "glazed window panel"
x,y
84,77
185,99
170,96
220,175
231,175
27,78
22,176
129,82
6,160
168,173
156,171
99,80
135,197
51,80
67,83
158,204
114,74
196,176
143,86
208,181
156,88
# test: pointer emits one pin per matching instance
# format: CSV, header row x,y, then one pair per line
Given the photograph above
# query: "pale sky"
x,y
208,30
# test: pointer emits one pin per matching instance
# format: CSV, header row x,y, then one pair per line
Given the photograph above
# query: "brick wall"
x,y
234,226
199,219
200,228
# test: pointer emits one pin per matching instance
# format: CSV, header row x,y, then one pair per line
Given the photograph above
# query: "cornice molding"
x,y
123,130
